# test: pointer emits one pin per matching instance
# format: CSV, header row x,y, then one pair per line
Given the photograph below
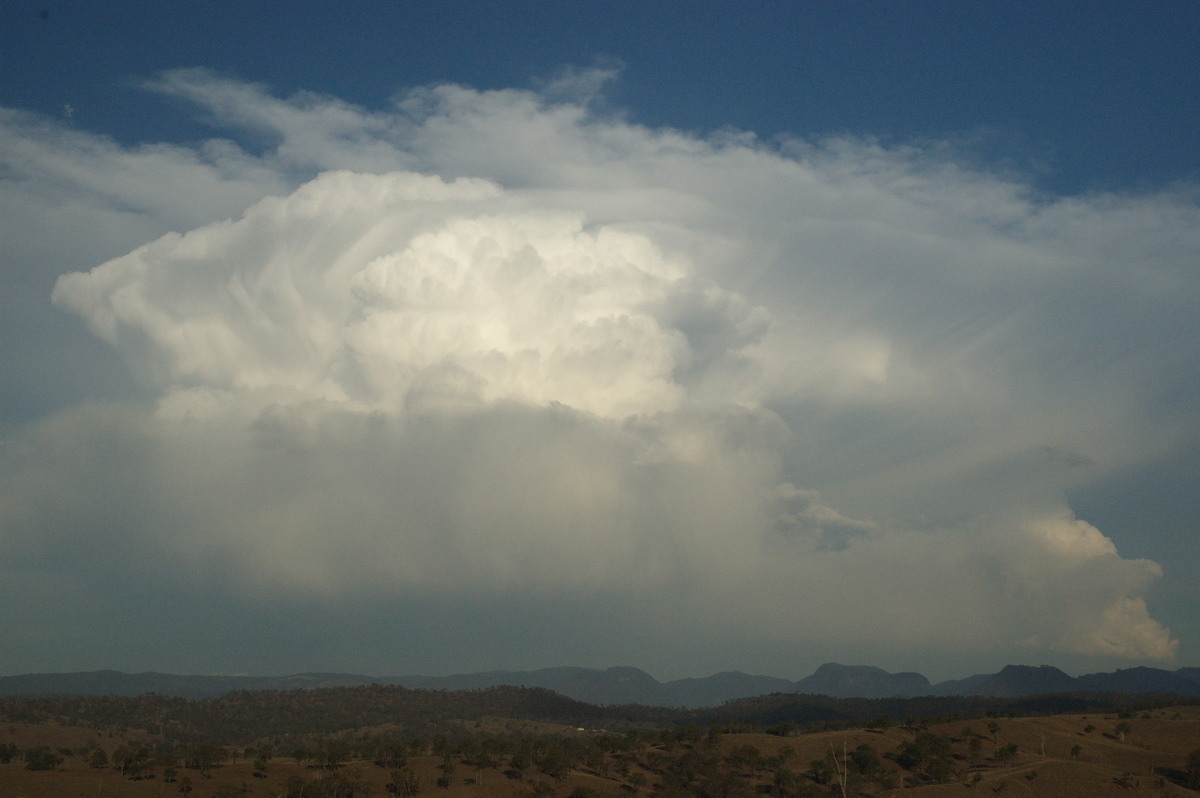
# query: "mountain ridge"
x,y
630,685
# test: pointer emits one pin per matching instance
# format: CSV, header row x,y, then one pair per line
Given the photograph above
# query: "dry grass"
x,y
1046,765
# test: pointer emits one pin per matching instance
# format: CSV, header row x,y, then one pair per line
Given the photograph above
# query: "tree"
x,y
42,758
583,792
519,762
865,761
479,756
337,784
785,781
404,783
447,767
556,761
391,754
747,757
8,752
1192,769
842,768
688,733
295,787
821,771
928,756
203,757
332,752
122,758
1007,753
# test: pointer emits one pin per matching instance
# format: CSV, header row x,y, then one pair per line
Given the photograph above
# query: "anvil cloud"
x,y
485,379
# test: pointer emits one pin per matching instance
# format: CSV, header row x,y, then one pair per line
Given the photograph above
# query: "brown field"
x,y
1149,761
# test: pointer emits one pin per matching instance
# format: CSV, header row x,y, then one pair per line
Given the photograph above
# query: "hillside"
x,y
628,685
1061,756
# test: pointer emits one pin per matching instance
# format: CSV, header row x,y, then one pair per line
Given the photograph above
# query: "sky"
x,y
399,338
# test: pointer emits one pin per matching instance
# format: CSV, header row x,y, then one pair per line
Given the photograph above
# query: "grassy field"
x,y
1089,756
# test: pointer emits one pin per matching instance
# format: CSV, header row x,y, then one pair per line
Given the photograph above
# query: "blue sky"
x,y
1101,95
696,336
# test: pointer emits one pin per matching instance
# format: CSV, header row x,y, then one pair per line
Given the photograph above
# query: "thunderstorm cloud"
x,y
506,377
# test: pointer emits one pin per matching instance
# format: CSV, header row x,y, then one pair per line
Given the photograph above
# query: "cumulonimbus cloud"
x,y
483,343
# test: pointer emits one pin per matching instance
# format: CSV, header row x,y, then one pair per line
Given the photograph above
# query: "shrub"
x,y
44,758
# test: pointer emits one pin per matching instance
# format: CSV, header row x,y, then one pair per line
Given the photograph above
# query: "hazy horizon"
x,y
597,668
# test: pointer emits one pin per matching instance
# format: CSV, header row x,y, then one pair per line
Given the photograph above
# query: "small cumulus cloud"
x,y
486,349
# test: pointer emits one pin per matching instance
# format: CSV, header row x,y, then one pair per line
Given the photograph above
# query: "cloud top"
x,y
369,290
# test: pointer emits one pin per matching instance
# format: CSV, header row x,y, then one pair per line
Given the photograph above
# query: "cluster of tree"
x,y
244,717
339,784
683,760
8,752
139,760
673,752
43,758
809,712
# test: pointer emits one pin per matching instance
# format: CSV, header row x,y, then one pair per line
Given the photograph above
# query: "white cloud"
x,y
368,289
488,345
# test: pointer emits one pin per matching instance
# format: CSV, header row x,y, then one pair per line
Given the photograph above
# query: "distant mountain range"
x,y
626,685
